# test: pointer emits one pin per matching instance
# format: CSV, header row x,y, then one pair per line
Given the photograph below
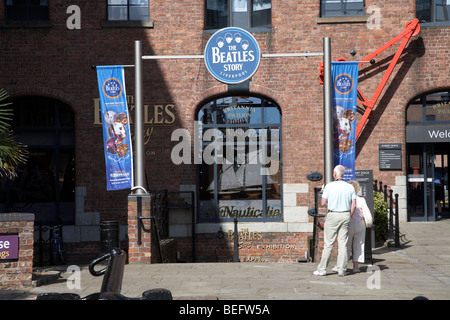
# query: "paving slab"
x,y
420,267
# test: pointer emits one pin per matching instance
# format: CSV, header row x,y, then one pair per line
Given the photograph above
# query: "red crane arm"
x,y
411,29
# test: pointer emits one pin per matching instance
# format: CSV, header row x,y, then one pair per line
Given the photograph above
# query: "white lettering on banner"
x,y
438,134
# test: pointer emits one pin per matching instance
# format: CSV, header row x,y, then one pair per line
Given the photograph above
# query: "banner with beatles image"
x,y
116,129
344,95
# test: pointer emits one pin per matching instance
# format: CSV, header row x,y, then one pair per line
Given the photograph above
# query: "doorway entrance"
x,y
427,181
427,152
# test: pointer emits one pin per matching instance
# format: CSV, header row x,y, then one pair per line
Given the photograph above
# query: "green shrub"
x,y
381,217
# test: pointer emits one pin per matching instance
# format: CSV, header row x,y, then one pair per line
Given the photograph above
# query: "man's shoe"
x,y
320,273
341,274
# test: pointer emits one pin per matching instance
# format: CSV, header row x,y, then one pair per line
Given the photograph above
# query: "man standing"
x,y
340,199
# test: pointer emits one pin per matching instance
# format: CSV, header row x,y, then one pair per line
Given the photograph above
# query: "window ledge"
x,y
26,24
435,24
127,24
251,30
352,19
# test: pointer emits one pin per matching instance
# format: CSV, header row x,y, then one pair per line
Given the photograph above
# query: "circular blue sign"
x,y
343,83
112,88
232,55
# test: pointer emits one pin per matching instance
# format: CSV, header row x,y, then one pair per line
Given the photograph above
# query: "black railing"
x,y
314,212
49,246
393,224
161,201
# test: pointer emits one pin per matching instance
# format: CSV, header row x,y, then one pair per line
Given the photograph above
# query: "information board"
x,y
365,179
390,156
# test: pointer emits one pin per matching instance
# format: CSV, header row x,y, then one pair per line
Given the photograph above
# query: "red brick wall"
x,y
139,252
18,274
56,62
253,247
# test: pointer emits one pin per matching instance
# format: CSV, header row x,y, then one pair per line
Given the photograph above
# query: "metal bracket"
x,y
411,29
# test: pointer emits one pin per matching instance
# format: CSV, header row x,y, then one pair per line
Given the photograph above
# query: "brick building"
x,y
48,48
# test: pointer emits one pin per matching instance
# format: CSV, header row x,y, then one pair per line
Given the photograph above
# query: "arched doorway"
x,y
428,151
240,174
45,185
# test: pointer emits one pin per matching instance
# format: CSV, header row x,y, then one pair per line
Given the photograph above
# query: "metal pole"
x,y
138,121
397,226
236,242
328,116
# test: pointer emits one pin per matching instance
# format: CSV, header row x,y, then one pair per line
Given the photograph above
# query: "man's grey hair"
x,y
339,170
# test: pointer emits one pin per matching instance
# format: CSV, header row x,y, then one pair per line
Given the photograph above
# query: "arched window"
x,y
45,185
241,148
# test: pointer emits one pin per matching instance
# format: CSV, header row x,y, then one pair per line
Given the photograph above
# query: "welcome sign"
x,y
232,55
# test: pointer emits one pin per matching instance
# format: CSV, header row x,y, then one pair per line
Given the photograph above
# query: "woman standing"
x,y
357,230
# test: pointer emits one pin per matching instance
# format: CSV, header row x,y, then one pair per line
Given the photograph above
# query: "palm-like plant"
x,y
12,153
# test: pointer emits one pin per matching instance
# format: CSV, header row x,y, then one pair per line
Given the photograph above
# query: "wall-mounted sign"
x,y
155,115
241,209
424,134
232,55
390,156
365,180
9,247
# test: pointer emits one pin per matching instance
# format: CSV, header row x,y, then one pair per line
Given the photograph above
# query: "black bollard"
x,y
109,236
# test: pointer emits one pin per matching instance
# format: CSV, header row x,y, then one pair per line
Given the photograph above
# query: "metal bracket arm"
x,y
411,29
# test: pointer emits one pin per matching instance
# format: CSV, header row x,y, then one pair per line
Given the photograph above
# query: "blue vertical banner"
x,y
344,95
116,128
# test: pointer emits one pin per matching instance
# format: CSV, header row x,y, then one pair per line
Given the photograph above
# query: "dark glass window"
x,y
128,10
238,13
45,184
435,11
26,10
341,8
241,151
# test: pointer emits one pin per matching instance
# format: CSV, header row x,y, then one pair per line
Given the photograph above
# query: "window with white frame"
x,y
433,11
128,10
238,13
342,8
